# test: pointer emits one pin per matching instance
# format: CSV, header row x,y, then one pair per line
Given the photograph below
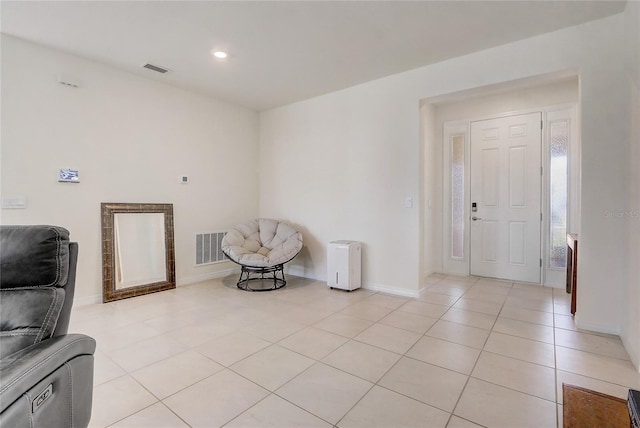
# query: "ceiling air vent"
x,y
156,68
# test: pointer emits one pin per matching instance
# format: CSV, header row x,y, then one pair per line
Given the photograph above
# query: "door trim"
x,y
461,267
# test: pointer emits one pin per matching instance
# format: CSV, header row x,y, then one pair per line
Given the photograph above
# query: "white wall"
x,y
340,167
631,326
131,139
341,164
564,90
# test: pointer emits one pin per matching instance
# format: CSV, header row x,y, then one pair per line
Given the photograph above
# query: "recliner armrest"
x,y
22,370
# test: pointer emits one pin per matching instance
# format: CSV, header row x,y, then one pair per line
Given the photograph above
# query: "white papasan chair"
x,y
261,247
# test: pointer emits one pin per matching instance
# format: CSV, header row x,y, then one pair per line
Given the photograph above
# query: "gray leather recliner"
x,y
46,375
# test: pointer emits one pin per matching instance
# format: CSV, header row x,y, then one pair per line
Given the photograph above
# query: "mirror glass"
x,y
137,248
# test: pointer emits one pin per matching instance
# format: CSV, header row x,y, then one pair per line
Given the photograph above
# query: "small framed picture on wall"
x,y
69,176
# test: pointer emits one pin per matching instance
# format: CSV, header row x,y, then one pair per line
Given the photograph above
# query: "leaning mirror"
x,y
137,249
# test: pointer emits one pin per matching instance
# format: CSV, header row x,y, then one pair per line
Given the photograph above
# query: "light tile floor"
x,y
468,352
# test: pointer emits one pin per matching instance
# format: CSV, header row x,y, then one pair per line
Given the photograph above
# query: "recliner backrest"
x,y
34,271
34,256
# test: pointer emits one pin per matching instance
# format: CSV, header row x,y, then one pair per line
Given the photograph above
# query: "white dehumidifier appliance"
x,y
344,260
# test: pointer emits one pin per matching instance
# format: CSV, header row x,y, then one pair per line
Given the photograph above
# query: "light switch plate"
x,y
408,202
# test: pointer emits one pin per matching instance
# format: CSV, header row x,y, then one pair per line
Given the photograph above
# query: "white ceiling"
x,y
284,51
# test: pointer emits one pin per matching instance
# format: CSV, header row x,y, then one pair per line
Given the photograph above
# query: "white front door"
x,y
505,191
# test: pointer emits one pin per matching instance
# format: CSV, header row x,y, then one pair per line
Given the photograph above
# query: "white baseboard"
x,y
582,325
299,271
633,353
85,301
391,290
295,271
181,282
91,300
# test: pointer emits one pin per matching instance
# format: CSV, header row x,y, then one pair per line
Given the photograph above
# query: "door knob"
x,y
474,218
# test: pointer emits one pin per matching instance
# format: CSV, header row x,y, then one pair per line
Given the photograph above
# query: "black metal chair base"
x,y
273,275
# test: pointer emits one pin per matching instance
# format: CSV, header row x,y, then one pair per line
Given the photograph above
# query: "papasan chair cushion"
x,y
262,243
261,247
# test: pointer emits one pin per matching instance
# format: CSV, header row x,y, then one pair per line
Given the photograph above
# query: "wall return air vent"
x,y
156,68
208,248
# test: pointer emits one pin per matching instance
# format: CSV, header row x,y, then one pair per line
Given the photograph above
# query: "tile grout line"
x,y
454,298
555,363
469,376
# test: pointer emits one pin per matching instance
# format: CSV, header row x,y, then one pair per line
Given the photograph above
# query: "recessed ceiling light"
x,y
219,54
